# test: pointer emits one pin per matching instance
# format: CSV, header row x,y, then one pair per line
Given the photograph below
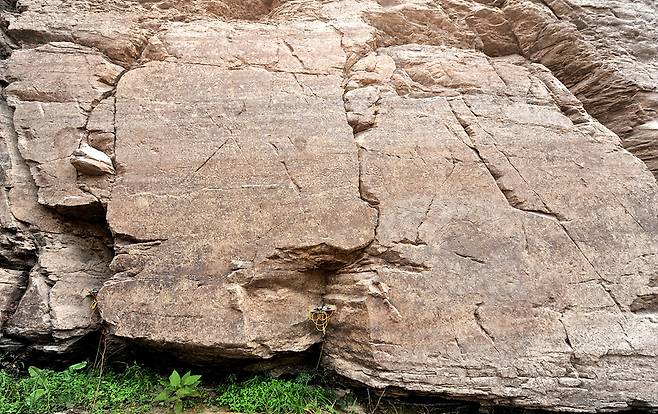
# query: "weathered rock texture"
x,y
450,174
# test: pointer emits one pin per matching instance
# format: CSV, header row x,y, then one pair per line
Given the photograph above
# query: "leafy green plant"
x,y
44,382
277,396
130,391
9,397
178,389
47,391
40,386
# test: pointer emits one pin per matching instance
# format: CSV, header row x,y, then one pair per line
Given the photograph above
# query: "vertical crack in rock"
x,y
295,55
363,193
632,216
295,185
626,339
462,351
567,340
480,323
546,212
418,241
357,128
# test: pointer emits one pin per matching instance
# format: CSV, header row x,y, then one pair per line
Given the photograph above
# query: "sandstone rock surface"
x,y
452,175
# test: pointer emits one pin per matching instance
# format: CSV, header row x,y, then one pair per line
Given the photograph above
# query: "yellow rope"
x,y
321,316
93,299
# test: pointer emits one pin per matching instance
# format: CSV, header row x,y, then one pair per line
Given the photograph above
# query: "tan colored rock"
x,y
470,25
119,29
606,53
243,164
482,259
88,160
51,119
32,315
55,309
113,30
12,285
52,262
481,235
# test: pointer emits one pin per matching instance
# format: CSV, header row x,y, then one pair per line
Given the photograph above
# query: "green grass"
x,y
134,390
276,396
130,391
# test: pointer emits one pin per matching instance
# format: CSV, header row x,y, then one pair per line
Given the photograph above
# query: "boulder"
x,y
212,155
452,179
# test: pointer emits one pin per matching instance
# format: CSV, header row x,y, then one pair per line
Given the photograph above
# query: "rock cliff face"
x,y
450,174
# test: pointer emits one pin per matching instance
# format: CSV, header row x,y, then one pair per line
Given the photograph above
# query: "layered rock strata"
x,y
450,174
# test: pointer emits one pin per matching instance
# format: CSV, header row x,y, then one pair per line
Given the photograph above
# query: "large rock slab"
x,y
505,242
51,112
481,233
237,188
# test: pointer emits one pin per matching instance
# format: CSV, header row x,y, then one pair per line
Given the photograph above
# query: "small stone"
x,y
90,161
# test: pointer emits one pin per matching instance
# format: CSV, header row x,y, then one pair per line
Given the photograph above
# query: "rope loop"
x,y
321,315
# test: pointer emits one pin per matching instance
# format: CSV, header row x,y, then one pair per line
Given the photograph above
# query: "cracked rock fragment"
x,y
51,109
90,161
12,285
50,261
